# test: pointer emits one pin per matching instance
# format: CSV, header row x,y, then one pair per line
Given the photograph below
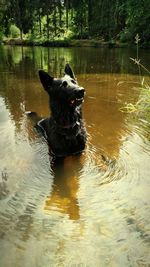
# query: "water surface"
x,y
93,210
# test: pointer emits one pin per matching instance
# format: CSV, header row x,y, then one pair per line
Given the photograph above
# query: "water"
x,y
92,211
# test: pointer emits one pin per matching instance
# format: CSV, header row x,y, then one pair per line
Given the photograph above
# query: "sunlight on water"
x,y
92,210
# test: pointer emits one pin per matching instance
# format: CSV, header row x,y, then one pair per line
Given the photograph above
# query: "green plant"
x,y
1,36
125,36
14,31
143,104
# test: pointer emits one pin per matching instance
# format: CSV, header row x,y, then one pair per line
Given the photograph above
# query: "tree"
x,y
107,19
138,19
20,13
81,18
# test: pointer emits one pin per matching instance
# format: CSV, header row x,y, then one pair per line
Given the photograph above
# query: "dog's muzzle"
x,y
78,96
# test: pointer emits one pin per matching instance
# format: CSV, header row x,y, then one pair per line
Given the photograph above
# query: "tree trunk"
x,y
89,15
81,31
60,13
47,23
67,10
72,13
21,34
55,22
40,25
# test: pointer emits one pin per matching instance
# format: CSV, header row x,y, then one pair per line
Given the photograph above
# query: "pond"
x,y
92,211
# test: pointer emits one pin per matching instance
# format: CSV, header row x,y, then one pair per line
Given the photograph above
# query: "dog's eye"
x,y
64,84
73,81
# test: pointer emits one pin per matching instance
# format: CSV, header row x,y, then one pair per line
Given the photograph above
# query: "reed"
x,y
143,103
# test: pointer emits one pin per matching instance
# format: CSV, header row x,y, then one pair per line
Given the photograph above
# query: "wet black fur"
x,y
64,130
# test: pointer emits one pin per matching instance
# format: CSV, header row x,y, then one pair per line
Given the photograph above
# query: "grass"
x,y
143,104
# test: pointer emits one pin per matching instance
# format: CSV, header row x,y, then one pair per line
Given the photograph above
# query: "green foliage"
x,y
143,104
80,20
1,33
14,31
138,18
111,20
1,36
125,35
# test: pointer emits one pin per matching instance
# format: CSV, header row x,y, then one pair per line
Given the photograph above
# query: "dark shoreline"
x,y
65,43
72,43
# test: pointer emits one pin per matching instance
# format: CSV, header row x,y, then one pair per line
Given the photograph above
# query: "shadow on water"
x,y
90,210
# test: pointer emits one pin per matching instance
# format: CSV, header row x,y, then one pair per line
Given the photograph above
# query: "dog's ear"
x,y
45,79
69,71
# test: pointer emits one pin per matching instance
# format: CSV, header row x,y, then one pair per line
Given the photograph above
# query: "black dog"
x,y
64,130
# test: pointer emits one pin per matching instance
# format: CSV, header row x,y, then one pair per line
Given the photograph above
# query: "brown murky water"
x,y
93,211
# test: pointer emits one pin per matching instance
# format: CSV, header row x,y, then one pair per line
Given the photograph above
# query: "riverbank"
x,y
65,43
72,43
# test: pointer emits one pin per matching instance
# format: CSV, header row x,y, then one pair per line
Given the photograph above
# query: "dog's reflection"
x,y
66,183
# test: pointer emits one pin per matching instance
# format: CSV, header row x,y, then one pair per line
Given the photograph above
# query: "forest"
x,y
105,20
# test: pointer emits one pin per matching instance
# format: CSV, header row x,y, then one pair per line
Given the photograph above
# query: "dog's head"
x,y
63,91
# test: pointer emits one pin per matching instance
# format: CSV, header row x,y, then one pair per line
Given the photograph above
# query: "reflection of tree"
x,y
64,196
22,90
107,124
25,61
13,98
